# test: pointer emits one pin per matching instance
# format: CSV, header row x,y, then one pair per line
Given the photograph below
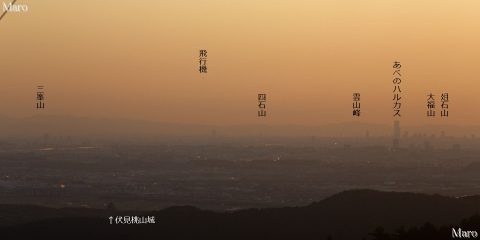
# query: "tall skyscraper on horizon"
x,y
396,134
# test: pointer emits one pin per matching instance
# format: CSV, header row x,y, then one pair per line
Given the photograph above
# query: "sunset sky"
x,y
139,59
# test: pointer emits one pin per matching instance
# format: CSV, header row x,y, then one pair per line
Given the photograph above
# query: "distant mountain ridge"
x,y
347,215
71,125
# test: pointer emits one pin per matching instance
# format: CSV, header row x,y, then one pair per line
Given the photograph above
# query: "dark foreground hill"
x,y
347,215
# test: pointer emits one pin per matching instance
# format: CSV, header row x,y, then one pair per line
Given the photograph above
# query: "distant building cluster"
x,y
396,134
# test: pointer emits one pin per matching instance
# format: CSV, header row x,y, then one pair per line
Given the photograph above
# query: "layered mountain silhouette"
x,y
352,214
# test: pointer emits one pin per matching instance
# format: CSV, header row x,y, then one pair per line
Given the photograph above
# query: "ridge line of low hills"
x,y
347,215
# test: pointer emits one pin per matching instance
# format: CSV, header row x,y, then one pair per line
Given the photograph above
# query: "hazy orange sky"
x,y
139,59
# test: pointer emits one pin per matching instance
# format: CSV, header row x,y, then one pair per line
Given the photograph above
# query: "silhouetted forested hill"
x,y
347,215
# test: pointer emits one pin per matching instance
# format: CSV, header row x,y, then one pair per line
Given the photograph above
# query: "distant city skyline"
x,y
81,125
